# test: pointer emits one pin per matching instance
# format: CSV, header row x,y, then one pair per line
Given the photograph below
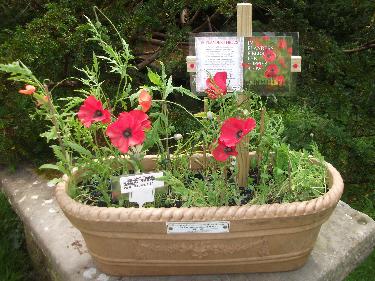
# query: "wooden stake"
x,y
244,29
244,20
205,104
261,133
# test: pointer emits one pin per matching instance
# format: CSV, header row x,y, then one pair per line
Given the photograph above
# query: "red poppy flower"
x,y
126,131
290,51
145,100
29,90
271,71
217,86
222,152
282,44
265,37
92,111
282,62
234,129
280,80
269,55
140,116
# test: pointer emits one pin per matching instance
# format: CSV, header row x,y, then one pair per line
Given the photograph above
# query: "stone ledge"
x,y
345,240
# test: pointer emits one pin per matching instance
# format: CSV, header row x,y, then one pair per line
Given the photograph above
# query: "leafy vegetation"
x,y
280,174
15,263
334,100
334,92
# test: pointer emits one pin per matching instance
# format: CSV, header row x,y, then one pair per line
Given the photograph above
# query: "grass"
x,y
15,264
362,198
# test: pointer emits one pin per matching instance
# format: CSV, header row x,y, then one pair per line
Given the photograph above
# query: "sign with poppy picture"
x,y
266,64
218,53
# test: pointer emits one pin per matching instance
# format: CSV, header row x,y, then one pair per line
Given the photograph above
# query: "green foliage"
x,y
365,272
15,263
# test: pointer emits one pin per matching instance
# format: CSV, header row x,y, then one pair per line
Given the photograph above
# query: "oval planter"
x,y
261,238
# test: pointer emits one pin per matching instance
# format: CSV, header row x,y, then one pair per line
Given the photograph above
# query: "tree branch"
x,y
203,25
159,34
65,84
153,41
362,48
149,60
193,18
209,24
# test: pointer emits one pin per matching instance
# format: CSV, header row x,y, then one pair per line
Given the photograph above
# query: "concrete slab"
x,y
61,254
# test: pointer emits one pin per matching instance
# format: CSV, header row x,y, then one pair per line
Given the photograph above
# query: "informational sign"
x,y
263,63
218,54
197,227
267,63
140,187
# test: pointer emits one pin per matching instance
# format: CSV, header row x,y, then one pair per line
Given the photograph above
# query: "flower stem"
x,y
55,123
187,111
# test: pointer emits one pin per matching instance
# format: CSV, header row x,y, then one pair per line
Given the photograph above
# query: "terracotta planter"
x,y
261,238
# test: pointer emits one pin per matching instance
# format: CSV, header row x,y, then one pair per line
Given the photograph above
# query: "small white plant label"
x,y
198,227
141,187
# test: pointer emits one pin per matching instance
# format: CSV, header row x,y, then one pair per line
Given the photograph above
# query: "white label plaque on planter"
x,y
198,227
141,187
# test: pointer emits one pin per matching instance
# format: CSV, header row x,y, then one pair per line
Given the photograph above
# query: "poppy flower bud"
x,y
29,90
210,115
41,100
145,100
177,137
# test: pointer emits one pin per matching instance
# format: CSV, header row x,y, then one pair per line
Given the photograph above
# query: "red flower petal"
x,y
250,125
126,131
269,55
217,86
234,129
271,71
220,79
141,117
92,111
280,80
222,152
282,44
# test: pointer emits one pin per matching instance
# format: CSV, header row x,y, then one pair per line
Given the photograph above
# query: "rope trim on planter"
x,y
83,212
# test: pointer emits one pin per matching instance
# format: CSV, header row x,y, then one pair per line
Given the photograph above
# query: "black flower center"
x,y
228,149
239,134
127,133
98,113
